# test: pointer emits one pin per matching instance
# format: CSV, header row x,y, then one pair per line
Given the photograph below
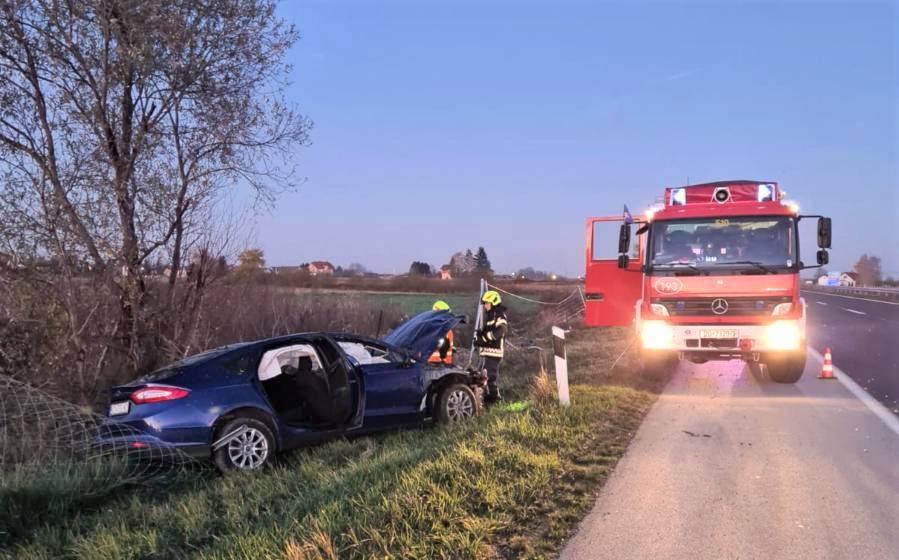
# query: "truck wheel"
x,y
251,448
787,369
456,403
657,364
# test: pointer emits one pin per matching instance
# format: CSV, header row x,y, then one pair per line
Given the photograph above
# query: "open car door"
x,y
346,382
611,292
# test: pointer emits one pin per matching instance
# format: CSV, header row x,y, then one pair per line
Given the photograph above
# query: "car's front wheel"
x,y
456,403
249,445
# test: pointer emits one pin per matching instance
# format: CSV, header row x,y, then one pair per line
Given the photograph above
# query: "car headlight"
x,y
659,309
656,335
784,335
782,309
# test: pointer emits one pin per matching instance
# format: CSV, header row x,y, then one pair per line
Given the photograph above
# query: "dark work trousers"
x,y
492,366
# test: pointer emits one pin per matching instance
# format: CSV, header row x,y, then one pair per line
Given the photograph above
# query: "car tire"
x,y
786,370
250,450
456,403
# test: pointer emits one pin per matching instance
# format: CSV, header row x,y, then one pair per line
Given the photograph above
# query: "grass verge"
x,y
512,483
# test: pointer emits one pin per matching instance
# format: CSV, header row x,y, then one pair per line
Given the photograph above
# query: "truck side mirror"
x,y
624,238
824,234
623,261
823,257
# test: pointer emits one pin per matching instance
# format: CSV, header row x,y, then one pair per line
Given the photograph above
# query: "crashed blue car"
x,y
240,405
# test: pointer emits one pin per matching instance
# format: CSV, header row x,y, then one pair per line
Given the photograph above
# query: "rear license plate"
x,y
119,408
718,333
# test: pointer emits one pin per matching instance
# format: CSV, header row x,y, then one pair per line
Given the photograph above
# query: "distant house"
x,y
321,268
446,272
848,279
167,272
838,279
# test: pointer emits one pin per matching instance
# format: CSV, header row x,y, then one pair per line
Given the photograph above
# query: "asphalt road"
x,y
863,336
731,466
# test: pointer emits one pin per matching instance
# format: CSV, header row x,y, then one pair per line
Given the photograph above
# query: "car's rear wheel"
x,y
250,445
456,403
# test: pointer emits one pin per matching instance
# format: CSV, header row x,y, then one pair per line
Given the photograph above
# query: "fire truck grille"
x,y
720,306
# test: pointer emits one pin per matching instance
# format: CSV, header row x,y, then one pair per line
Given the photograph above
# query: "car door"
x,y
611,293
343,375
394,385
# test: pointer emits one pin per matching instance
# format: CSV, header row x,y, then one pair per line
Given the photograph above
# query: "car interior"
x,y
307,386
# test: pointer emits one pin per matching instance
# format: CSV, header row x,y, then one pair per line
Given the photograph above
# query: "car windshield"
x,y
755,243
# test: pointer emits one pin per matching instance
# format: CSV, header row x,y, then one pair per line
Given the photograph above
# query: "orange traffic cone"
x,y
827,368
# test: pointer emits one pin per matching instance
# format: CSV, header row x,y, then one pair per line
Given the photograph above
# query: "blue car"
x,y
241,404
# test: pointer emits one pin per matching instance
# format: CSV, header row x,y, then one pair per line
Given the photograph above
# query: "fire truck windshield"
x,y
760,244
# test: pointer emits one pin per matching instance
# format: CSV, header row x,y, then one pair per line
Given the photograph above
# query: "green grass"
x,y
512,483
489,487
412,303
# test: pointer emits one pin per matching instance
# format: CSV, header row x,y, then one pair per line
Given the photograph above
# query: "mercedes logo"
x,y
719,306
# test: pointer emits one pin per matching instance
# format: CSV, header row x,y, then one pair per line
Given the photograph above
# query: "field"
x,y
512,483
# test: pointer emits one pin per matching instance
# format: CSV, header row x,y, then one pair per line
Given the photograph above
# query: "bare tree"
x,y
121,122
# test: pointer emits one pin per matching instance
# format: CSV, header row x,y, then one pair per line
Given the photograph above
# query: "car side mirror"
x,y
624,238
408,362
823,257
623,261
824,234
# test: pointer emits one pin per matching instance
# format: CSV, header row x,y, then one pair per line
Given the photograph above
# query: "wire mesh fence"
x,y
41,432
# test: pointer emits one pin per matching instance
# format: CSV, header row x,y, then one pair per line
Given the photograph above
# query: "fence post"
x,y
561,365
479,317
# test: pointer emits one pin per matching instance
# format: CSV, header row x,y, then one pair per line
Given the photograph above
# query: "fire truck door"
x,y
611,292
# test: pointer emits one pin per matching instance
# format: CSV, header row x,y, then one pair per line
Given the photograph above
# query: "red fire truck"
x,y
713,275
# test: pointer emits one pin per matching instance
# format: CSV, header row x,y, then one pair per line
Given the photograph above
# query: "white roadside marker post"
x,y
561,365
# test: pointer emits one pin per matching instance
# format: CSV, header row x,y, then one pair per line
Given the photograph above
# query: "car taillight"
x,y
158,393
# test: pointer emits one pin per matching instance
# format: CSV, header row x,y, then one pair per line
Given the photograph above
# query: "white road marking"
x,y
821,302
852,297
879,410
853,311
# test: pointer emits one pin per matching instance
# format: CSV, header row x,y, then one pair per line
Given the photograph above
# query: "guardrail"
x,y
882,293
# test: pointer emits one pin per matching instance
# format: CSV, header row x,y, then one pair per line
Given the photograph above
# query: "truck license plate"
x,y
718,333
119,408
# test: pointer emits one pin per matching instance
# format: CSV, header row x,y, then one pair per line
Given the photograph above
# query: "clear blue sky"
x,y
446,125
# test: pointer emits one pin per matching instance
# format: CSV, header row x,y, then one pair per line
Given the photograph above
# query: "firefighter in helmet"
x,y
489,339
443,354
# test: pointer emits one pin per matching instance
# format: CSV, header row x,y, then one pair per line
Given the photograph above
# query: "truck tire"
x,y
654,364
787,369
457,402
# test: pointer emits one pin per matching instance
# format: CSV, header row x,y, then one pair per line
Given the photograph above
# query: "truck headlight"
x,y
659,309
657,335
782,309
784,335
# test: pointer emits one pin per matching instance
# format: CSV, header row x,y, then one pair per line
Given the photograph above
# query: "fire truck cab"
x,y
713,275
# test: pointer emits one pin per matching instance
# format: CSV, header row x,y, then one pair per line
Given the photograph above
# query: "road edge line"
x,y
875,406
850,297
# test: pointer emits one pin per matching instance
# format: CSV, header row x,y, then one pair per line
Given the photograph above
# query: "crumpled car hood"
x,y
420,334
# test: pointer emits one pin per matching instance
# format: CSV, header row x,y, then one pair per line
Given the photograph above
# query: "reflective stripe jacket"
x,y
444,352
494,332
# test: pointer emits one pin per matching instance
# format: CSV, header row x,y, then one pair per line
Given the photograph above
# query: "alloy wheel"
x,y
249,449
459,405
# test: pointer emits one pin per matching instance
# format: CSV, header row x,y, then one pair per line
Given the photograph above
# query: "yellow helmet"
x,y
441,305
492,297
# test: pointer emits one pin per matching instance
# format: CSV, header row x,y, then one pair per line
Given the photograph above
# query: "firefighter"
x,y
489,339
443,354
